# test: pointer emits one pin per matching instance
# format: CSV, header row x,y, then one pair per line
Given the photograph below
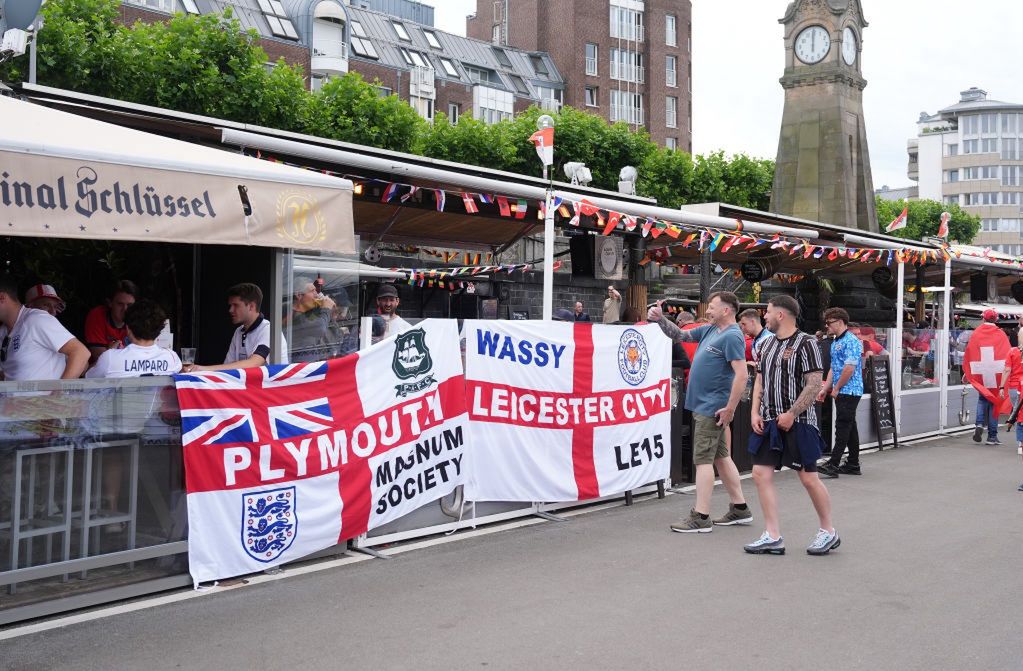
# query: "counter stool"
x,y
93,516
26,525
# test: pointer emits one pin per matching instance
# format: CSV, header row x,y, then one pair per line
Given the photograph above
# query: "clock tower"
x,y
822,170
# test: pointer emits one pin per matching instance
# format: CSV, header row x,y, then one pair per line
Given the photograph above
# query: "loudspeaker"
x,y
581,249
978,287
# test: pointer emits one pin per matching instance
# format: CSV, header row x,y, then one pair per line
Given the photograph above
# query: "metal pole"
x,y
896,346
548,256
944,344
36,25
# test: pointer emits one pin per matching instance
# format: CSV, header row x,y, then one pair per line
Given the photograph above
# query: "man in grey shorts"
x,y
716,382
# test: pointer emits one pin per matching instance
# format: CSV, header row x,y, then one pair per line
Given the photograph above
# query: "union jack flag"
x,y
218,379
295,373
217,426
298,419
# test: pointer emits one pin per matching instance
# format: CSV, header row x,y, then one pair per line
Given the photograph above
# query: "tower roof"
x,y
836,7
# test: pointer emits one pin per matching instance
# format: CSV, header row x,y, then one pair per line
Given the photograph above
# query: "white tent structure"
x,y
69,176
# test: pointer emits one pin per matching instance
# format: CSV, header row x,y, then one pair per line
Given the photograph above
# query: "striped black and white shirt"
x,y
783,363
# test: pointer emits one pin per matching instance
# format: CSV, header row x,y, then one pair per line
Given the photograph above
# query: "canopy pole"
x,y
944,343
896,347
548,256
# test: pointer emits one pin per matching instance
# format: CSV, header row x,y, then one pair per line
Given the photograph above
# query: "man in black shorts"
x,y
785,425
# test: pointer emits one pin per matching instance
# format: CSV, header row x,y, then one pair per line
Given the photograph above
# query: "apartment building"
x,y
626,60
971,154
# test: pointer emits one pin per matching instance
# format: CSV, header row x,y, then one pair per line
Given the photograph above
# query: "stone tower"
x,y
823,166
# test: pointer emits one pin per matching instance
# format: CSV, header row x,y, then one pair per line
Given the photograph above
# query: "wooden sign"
x,y
882,403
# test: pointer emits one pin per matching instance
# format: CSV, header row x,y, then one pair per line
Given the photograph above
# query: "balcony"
x,y
329,57
628,31
628,73
423,83
550,104
630,115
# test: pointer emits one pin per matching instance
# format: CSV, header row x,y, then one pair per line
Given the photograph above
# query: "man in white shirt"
x,y
387,308
612,306
33,344
250,344
142,357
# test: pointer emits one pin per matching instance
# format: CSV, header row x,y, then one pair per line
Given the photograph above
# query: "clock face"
x,y
813,44
848,46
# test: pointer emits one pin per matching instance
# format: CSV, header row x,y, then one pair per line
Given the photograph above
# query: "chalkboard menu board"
x,y
882,404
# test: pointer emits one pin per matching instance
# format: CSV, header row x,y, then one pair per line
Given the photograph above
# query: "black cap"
x,y
387,290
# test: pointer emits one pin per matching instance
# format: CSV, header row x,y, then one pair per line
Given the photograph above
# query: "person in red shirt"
x,y
1012,383
104,325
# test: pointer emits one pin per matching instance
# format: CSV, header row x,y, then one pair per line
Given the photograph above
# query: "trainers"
x,y
978,434
1020,488
993,441
694,524
735,516
765,545
848,469
824,542
828,470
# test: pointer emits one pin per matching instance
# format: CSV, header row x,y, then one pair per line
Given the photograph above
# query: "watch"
x,y
848,46
812,44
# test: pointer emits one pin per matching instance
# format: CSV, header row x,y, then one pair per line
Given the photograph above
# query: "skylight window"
x,y
360,45
539,65
401,32
502,57
414,58
190,6
449,68
431,38
277,19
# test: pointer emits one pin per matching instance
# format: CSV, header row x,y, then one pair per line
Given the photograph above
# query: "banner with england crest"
x,y
283,461
563,411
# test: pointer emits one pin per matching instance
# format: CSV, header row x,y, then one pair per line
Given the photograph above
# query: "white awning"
x,y
68,176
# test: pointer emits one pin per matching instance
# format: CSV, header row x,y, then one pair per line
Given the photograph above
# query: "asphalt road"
x,y
928,576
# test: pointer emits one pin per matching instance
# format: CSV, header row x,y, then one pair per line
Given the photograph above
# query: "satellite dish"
x,y
19,13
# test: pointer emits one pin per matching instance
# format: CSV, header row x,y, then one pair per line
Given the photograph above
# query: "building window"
x,y
626,24
951,176
495,34
952,200
670,31
422,106
1010,175
481,76
1008,123
414,58
519,85
190,6
539,66
449,68
1010,198
400,31
671,70
549,93
627,66
671,143
627,107
988,123
671,112
970,146
953,149
277,19
592,56
361,45
316,81
453,112
989,146
384,91
591,97
1010,151
502,57
969,124
431,39
491,116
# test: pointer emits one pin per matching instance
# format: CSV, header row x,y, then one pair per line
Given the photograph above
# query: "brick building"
x,y
626,60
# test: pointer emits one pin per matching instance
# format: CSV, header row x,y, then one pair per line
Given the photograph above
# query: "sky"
x,y
917,56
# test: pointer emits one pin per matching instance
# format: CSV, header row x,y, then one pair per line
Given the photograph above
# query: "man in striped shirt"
x,y
785,426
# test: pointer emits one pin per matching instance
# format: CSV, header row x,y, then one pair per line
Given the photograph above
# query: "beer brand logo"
x,y
633,358
299,220
412,359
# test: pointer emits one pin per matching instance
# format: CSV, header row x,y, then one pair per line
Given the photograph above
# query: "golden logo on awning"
x,y
299,219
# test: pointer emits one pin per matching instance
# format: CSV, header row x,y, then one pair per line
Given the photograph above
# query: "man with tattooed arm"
x,y
785,427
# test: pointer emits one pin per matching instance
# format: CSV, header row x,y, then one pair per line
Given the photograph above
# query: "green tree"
x,y
924,218
668,177
352,110
470,141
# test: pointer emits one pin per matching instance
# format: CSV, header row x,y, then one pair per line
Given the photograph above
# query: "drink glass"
x,y
187,356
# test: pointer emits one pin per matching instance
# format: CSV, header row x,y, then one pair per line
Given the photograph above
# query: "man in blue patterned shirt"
x,y
845,384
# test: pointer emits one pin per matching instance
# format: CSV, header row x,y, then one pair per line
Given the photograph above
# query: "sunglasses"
x,y
3,349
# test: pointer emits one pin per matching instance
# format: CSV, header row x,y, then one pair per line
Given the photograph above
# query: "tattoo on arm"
x,y
811,387
671,330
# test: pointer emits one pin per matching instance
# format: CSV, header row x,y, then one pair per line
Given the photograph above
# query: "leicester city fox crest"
x,y
412,359
269,523
633,358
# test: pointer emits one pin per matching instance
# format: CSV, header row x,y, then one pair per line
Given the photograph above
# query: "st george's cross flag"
x,y
544,141
984,364
283,461
563,411
943,225
900,221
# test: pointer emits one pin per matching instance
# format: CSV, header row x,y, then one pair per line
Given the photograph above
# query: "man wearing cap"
x,y
44,297
387,307
33,344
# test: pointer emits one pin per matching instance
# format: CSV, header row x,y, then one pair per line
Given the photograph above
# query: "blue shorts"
x,y
798,448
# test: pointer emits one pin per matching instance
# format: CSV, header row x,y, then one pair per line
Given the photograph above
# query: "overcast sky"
x,y
917,56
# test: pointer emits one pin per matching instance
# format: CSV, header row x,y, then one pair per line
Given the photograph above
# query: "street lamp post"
x,y
542,123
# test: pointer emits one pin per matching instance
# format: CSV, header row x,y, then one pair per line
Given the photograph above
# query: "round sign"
x,y
609,258
753,271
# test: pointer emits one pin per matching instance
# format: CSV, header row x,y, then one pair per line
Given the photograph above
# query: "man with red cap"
x,y
44,297
983,367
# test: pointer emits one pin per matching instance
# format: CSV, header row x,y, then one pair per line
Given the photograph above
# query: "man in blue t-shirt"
x,y
845,385
716,381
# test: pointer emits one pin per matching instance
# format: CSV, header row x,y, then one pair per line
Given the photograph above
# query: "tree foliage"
x,y
924,218
208,65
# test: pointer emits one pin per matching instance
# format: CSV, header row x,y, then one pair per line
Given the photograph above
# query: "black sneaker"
x,y
978,434
849,469
827,470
